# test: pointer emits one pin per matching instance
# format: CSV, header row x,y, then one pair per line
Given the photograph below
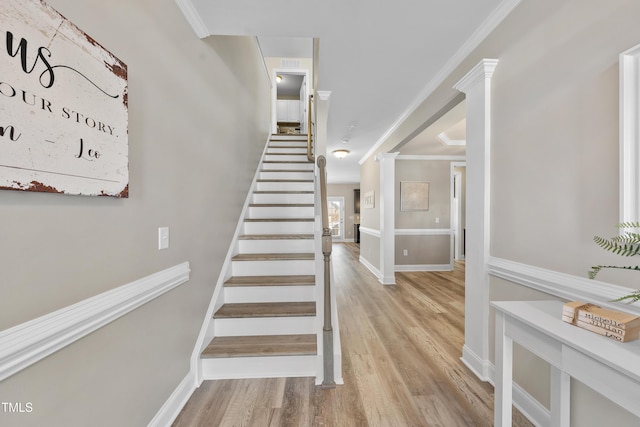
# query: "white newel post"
x,y
387,217
477,87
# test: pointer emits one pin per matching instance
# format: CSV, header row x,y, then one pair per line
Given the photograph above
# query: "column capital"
x,y
481,72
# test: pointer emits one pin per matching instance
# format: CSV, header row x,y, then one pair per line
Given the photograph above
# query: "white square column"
x,y
477,87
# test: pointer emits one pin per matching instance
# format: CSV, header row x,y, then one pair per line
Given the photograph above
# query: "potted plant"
x,y
626,244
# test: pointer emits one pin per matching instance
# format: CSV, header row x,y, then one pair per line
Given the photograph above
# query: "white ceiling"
x,y
376,56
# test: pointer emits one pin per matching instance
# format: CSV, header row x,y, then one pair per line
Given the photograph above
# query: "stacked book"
x,y
609,323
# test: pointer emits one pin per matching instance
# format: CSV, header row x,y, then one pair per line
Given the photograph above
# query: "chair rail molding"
x,y
423,231
562,285
29,342
369,231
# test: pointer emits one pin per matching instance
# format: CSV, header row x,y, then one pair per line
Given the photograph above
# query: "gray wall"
x,y
424,250
370,218
199,115
554,161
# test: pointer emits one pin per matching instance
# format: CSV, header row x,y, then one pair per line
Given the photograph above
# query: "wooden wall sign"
x,y
63,106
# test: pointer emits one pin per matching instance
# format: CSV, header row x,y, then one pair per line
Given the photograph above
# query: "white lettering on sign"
x,y
63,106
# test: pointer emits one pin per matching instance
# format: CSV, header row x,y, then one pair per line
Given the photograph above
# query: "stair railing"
x,y
310,129
327,329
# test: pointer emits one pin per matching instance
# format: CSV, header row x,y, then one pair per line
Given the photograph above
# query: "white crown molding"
x,y
193,18
448,141
423,231
561,285
482,71
489,24
29,342
432,157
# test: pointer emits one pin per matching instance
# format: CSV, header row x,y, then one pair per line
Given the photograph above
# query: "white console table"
x,y
609,367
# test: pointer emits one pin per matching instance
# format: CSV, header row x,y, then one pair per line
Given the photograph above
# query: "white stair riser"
x,y
284,186
252,294
278,227
281,212
288,158
283,198
287,175
287,149
295,166
264,326
258,367
272,268
288,138
276,246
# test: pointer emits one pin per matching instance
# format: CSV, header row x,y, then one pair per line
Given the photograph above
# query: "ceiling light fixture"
x,y
278,78
341,154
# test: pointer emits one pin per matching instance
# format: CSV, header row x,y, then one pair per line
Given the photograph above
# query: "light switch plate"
x,y
163,237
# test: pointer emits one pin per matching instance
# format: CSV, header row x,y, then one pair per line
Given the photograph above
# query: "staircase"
x,y
266,325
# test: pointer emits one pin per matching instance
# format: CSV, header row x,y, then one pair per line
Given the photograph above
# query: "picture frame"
x,y
414,196
369,200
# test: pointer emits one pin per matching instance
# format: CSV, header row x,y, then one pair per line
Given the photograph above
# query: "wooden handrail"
x,y
310,155
327,329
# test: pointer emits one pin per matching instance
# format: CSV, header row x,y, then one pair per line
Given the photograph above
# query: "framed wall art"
x,y
414,196
63,106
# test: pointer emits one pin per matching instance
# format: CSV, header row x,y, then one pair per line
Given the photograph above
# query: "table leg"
x,y
560,398
503,400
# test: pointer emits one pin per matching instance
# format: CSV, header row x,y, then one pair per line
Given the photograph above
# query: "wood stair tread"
x,y
287,170
286,154
274,257
276,237
266,309
299,280
288,161
261,345
281,205
279,220
284,180
283,192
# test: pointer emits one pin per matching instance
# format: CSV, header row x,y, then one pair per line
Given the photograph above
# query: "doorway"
x,y
458,209
336,218
290,94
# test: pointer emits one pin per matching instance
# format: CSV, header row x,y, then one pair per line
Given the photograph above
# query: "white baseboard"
x,y
29,342
172,407
526,404
485,371
475,363
371,268
424,267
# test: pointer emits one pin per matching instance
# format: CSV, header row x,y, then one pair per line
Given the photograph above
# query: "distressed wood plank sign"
x,y
63,106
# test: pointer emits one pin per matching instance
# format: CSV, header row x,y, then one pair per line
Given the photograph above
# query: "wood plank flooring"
x,y
401,348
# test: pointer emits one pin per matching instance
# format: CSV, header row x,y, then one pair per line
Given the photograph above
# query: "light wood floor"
x,y
401,349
